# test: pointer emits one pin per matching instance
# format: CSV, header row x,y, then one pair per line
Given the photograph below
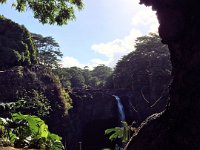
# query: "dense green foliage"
x,y
25,86
28,131
100,74
31,102
75,77
29,88
35,91
16,46
147,65
30,83
49,11
48,50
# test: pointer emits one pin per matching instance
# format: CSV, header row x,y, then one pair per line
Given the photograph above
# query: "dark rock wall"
x,y
93,112
137,108
177,127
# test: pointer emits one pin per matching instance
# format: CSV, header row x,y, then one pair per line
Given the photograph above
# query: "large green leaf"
x,y
118,133
26,130
38,128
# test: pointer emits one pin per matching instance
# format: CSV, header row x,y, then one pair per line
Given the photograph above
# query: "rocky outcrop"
x,y
178,126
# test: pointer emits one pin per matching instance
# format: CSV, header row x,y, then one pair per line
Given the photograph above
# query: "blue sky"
x,y
102,33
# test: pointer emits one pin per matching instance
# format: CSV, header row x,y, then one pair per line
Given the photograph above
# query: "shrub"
x,y
28,131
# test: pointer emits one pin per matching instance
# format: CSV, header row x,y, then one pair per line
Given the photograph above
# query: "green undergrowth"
x,y
28,131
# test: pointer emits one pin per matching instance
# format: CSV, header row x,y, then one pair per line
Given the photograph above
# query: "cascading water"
x,y
120,108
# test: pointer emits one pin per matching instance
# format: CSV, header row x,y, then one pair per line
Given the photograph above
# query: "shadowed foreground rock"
x,y
178,127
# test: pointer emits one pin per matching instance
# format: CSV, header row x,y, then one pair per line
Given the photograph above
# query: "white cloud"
x,y
68,61
146,18
118,45
143,22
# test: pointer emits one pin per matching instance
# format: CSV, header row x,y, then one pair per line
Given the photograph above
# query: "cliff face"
x,y
177,127
93,112
138,105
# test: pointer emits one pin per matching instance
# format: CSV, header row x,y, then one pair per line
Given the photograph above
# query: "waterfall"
x,y
120,108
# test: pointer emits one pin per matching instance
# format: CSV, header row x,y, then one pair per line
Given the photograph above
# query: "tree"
x,y
64,77
87,75
70,77
49,11
75,77
146,71
77,80
101,73
16,46
149,61
48,50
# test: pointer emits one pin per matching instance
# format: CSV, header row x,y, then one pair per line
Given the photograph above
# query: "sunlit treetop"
x,y
49,11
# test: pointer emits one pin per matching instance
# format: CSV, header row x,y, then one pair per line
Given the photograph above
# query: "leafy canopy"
x,y
149,61
75,77
16,46
49,11
48,50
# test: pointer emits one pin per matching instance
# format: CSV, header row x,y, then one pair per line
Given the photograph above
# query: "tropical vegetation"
x,y
150,60
75,77
49,12
34,98
26,131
